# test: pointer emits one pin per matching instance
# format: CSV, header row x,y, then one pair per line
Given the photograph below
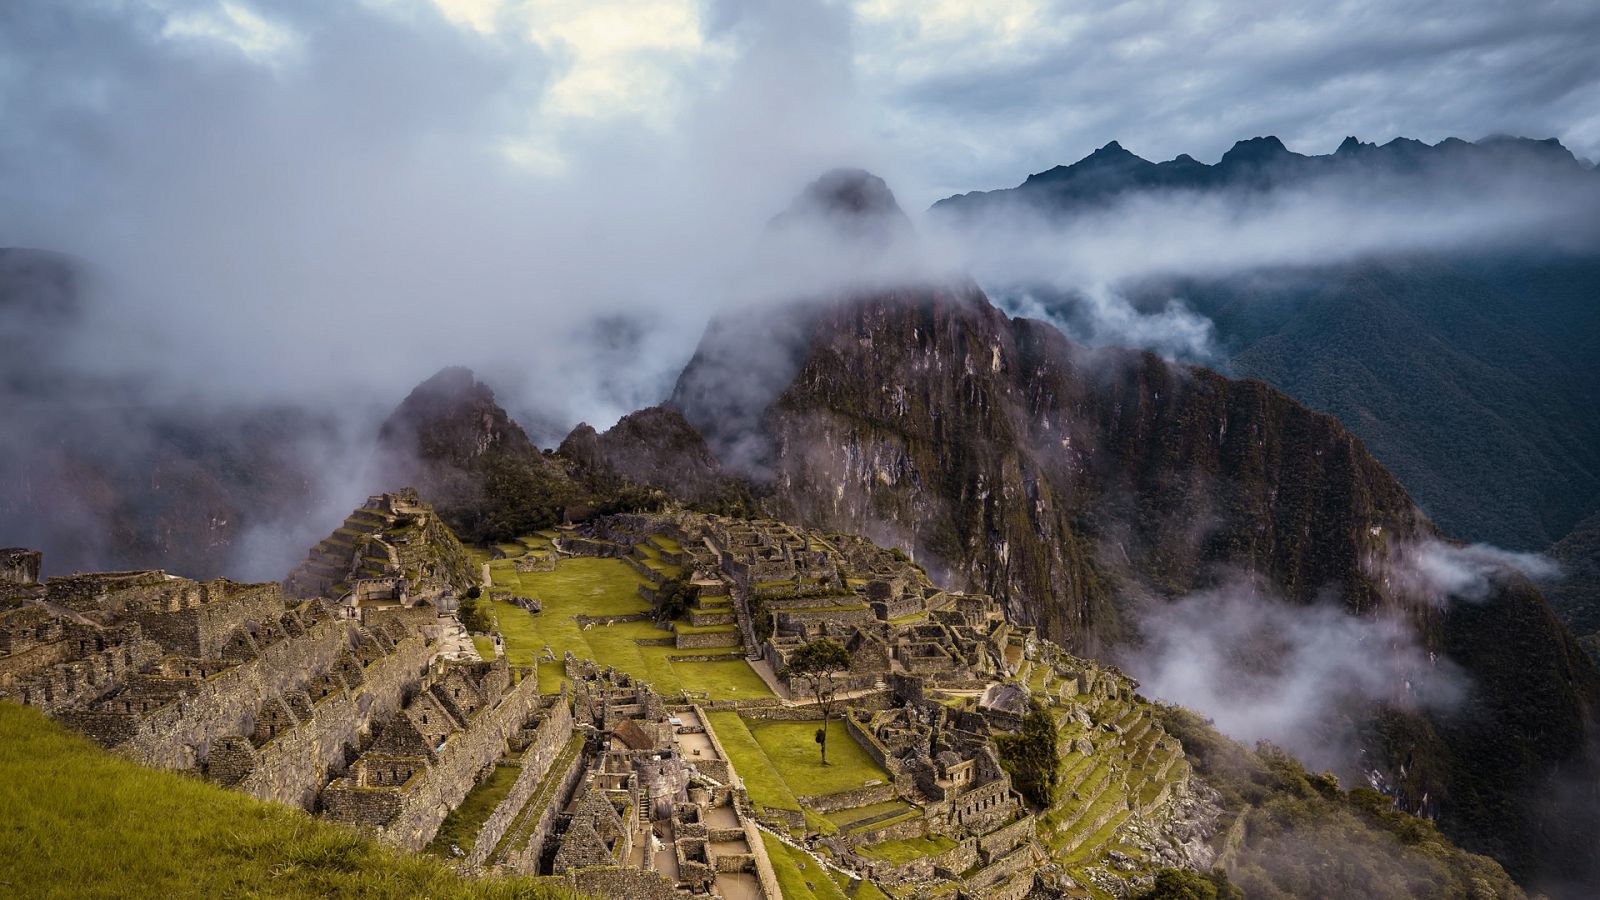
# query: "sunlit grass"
x,y
81,822
596,586
792,748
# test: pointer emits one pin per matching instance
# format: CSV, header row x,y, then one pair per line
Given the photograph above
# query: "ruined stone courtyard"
x,y
588,740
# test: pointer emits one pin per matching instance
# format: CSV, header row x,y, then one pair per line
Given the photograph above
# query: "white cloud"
x,y
237,25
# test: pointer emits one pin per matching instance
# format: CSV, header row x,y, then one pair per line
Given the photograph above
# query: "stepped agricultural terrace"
x,y
628,727
918,798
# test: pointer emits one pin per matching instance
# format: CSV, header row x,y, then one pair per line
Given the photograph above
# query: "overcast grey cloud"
x,y
998,92
288,198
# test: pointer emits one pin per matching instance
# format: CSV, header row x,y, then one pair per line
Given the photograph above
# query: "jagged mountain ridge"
x,y
1259,163
1072,482
1079,484
476,465
1468,372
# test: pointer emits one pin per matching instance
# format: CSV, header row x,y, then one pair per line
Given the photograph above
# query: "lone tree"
x,y
817,663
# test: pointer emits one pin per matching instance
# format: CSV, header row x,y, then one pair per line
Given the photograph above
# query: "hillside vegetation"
x,y
81,822
1298,834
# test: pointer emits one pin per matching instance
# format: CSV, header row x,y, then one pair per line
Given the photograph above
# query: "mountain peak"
x,y
1352,144
1257,150
848,192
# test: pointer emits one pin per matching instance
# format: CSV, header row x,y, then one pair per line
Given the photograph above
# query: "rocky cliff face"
x,y
1060,477
1083,485
467,457
656,447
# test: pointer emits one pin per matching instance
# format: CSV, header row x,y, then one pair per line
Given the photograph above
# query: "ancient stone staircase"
x,y
351,551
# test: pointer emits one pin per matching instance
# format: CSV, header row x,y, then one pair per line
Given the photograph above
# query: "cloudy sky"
x,y
267,181
979,94
960,95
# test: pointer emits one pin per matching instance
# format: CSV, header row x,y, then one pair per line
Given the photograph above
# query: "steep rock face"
x,y
1576,596
1061,477
467,457
1081,484
654,447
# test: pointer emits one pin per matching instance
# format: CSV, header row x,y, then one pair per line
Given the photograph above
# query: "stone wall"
x,y
179,734
864,796
19,566
524,856
623,883
984,806
893,831
1005,838
78,664
707,639
951,863
293,766
870,743
427,797
550,737
197,620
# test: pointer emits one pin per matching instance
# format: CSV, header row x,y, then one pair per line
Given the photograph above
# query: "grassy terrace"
x,y
81,822
799,876
844,818
594,586
484,646
779,760
904,851
460,827
666,543
767,788
792,749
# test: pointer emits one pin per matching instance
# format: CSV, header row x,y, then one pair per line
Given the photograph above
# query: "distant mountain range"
x,y
1472,374
1264,163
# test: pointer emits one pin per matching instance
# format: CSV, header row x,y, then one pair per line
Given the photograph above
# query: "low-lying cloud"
x,y
1440,572
1086,269
1302,677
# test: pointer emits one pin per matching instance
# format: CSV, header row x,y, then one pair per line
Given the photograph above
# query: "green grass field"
x,y
81,822
792,749
779,761
595,586
799,876
767,788
904,851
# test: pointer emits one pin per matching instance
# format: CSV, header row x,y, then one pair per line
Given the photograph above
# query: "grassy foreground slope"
x,y
76,821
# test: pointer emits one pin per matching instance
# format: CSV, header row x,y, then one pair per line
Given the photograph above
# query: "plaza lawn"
x,y
792,749
596,586
897,852
81,822
799,876
767,788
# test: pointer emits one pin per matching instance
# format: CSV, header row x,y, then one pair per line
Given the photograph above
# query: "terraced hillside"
x,y
390,535
597,607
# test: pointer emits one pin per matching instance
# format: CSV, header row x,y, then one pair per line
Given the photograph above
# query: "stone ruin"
x,y
233,681
392,556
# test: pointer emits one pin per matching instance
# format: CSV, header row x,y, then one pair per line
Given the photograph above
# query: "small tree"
x,y
1030,755
817,663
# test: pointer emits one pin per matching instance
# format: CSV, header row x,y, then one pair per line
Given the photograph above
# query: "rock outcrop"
x,y
488,481
1078,485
